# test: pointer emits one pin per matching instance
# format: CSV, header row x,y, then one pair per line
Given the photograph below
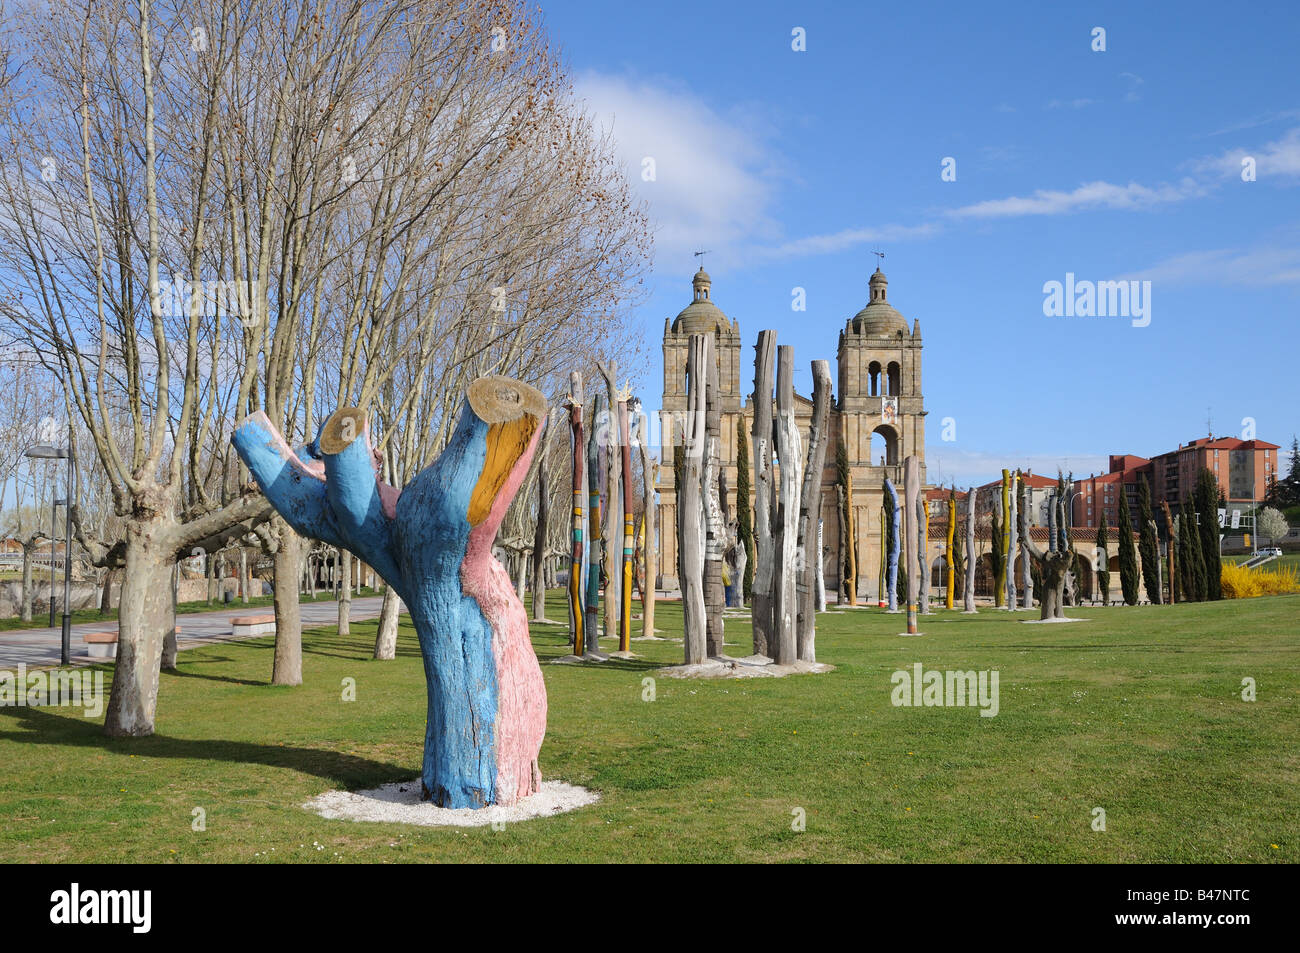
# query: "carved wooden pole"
x,y
1012,534
690,512
650,554
625,615
891,577
883,583
810,510
912,492
785,606
541,531
968,596
432,542
852,518
595,549
578,448
715,530
819,577
1026,569
1170,546
952,535
761,446
1002,526
611,465
922,555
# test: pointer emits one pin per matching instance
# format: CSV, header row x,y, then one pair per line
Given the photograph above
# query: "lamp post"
x,y
46,452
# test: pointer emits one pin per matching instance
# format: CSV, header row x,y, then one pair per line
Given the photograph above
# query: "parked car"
x,y
1271,551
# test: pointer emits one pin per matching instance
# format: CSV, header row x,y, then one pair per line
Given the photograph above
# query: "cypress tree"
x,y
1103,564
1148,546
1190,541
1207,496
842,478
1186,565
744,514
1128,565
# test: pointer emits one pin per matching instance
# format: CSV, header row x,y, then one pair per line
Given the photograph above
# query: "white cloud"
x,y
1250,267
841,240
713,183
1134,81
1278,158
1069,103
1089,196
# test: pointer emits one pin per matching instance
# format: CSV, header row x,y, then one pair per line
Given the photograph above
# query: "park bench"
x,y
246,625
101,644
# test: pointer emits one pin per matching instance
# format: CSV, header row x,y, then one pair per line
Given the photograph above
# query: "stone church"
x,y
877,411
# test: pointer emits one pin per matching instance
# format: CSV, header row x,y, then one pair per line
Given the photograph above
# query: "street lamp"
x,y
47,452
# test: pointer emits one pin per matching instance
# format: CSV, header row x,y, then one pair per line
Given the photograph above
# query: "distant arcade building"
x,y
878,411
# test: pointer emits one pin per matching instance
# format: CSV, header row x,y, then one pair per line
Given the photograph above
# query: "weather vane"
x,y
881,256
700,255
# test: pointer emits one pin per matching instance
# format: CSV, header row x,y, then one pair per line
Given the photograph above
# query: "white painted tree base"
x,y
751,666
1045,621
400,803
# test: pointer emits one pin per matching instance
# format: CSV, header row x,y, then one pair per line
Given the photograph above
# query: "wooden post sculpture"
x,y
625,616
809,510
912,492
1169,548
968,594
1001,526
761,447
891,577
611,464
649,553
851,517
579,448
690,509
715,528
819,577
595,549
948,554
923,555
883,582
733,552
1011,536
432,542
785,607
1053,564
1026,570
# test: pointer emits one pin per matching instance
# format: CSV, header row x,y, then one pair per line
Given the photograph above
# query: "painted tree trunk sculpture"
x,y
595,548
922,555
951,575
1002,527
715,528
882,583
432,542
1169,547
541,531
1012,537
819,577
851,521
625,612
912,494
579,454
649,557
1055,563
690,510
968,591
785,604
1026,568
611,465
809,538
895,532
761,446
733,552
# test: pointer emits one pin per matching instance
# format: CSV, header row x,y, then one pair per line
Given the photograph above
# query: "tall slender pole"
x,y
625,617
70,490
54,535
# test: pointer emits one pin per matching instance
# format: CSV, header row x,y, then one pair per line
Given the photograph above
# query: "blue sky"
x,y
792,167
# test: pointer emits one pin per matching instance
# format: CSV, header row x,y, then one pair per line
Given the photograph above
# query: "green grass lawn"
x,y
41,620
1138,711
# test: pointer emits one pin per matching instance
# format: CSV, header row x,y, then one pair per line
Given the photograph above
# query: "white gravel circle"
x,y
400,803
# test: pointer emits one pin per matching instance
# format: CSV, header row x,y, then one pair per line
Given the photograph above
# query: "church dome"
x,y
878,317
701,316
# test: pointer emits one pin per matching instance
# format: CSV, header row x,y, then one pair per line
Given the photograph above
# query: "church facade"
x,y
877,412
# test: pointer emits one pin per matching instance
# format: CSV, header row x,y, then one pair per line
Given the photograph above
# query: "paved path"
x,y
37,647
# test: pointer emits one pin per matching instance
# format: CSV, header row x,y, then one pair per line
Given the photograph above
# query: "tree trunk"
x,y
578,450
841,508
144,620
968,592
542,529
912,495
819,577
650,557
785,604
1013,528
895,543
591,625
243,575
344,562
613,513
625,471
922,555
170,648
433,543
715,532
1026,569
105,598
287,665
26,612
386,634
761,447
690,510
809,531
851,518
